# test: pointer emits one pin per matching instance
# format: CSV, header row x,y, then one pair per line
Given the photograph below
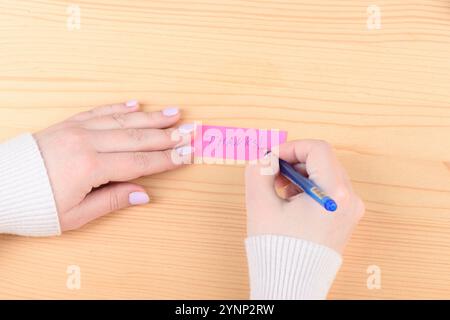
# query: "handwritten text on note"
x,y
232,143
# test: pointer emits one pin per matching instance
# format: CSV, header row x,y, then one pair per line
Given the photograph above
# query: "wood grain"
x,y
381,97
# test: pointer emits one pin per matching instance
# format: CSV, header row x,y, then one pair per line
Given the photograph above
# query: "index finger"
x,y
320,161
125,107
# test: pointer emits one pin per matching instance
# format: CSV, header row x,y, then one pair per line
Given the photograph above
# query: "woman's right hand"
x,y
300,216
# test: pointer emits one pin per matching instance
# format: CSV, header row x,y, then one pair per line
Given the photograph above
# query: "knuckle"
x,y
120,119
168,160
136,134
151,116
342,194
323,145
141,159
114,203
170,135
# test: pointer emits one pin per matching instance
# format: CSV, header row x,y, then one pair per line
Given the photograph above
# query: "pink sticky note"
x,y
232,143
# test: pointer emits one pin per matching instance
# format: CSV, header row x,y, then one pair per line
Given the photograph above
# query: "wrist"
x,y
282,267
27,206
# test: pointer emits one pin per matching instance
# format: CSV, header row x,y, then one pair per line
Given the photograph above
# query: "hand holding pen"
x,y
297,213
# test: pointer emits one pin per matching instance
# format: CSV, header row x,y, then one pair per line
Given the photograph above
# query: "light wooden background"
x,y
381,97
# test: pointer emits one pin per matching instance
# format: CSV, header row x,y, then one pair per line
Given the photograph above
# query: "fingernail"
x,y
267,154
186,128
131,103
138,198
169,112
182,151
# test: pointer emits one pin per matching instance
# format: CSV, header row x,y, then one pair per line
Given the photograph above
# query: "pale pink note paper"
x,y
232,143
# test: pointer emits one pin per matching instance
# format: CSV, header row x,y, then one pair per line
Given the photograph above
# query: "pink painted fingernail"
x,y
138,198
183,151
131,103
171,111
186,128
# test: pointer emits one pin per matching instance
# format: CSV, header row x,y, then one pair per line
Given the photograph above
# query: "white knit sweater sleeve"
x,y
282,267
27,206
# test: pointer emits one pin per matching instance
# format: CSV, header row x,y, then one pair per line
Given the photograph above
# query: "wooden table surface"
x,y
314,68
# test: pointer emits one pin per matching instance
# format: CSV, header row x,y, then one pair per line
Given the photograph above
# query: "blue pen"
x,y
309,187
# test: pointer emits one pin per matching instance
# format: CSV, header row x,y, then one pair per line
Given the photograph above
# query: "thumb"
x,y
260,179
109,198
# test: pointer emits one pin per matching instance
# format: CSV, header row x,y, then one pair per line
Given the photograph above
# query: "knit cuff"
x,y
27,206
289,268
